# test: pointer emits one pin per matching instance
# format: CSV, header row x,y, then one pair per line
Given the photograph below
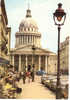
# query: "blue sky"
x,y
42,12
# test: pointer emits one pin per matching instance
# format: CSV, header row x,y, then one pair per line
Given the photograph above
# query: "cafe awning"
x,y
3,61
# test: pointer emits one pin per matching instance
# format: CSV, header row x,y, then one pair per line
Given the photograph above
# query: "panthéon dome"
x,y
28,32
28,24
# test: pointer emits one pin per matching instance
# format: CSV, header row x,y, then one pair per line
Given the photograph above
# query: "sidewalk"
x,y
35,90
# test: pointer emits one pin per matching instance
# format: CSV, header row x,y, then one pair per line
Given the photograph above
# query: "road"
x,y
34,90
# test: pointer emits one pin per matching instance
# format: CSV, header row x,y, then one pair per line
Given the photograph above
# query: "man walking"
x,y
32,73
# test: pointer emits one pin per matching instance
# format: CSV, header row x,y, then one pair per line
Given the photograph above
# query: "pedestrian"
x,y
29,68
23,77
29,73
32,73
24,74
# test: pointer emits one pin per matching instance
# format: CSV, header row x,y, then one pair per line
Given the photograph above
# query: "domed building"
x,y
28,50
28,32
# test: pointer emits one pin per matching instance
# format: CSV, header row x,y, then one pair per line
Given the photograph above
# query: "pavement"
x,y
34,90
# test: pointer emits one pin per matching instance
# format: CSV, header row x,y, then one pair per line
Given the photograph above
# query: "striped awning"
x,y
3,61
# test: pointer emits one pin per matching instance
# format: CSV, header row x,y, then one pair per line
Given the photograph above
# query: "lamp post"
x,y
59,17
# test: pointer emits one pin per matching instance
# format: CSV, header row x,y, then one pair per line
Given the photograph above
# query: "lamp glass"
x,y
59,18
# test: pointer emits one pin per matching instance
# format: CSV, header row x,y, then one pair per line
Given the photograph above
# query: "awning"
x,y
3,61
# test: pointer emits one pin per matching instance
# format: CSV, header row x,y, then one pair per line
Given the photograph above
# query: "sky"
x,y
42,12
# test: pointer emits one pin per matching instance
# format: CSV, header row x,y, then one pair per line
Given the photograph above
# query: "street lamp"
x,y
59,17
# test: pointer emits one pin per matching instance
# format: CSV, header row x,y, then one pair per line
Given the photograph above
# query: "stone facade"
x,y
64,55
4,33
23,53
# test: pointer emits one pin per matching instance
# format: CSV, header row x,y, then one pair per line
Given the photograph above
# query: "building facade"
x,y
24,54
64,55
4,35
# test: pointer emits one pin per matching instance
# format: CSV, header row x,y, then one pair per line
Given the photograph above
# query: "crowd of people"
x,y
28,73
9,84
9,80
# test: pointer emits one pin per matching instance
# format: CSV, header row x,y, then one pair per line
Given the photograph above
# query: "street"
x,y
34,90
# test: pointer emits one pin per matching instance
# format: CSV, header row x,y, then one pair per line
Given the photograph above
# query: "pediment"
x,y
28,50
24,48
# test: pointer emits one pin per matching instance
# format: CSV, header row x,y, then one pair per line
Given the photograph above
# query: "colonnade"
x,y
26,62
28,39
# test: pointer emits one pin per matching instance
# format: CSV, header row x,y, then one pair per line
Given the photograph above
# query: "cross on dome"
x,y
28,13
28,4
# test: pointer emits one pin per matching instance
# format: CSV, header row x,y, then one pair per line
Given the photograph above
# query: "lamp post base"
x,y
58,93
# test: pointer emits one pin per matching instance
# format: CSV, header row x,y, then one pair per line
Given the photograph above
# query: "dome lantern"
x,y
28,14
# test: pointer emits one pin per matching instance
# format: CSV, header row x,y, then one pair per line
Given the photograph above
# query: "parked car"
x,y
43,78
40,73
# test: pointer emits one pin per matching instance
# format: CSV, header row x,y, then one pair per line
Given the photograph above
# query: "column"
x,y
32,59
39,63
26,61
22,39
27,39
13,60
32,39
19,63
46,64
17,41
35,40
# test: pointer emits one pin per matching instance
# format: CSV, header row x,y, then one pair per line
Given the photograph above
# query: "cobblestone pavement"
x,y
34,90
